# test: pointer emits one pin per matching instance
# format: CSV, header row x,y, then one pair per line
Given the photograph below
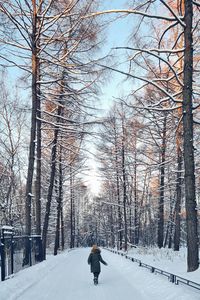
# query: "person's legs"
x,y
96,275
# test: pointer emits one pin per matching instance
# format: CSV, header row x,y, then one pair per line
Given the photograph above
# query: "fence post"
x,y
30,248
40,249
12,254
172,278
2,245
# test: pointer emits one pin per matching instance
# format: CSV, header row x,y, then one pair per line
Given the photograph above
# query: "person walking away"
x,y
94,260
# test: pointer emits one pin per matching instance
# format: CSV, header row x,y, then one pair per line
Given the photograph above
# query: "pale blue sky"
x,y
117,34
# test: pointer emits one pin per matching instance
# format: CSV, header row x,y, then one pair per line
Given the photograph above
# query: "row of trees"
x,y
145,137
140,168
50,45
145,172
159,133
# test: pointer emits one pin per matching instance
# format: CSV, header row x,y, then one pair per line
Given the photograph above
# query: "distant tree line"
x,y
149,152
52,46
149,140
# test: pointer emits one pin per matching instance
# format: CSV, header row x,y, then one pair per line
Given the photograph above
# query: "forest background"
x,y
147,144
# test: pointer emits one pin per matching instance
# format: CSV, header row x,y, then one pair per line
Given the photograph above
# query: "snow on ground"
x,y
166,259
67,276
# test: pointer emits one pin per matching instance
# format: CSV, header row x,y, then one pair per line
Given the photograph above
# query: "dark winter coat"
x,y
94,260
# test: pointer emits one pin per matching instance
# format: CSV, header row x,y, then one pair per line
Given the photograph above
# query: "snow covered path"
x,y
67,276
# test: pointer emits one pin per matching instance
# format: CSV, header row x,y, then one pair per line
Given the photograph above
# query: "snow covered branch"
x,y
132,11
151,82
150,51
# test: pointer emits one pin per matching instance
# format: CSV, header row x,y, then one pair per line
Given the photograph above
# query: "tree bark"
x,y
59,220
177,219
160,236
62,229
124,187
31,158
57,235
119,214
61,198
136,213
191,212
51,183
72,211
39,156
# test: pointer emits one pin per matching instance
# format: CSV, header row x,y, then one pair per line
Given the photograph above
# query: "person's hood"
x,y
95,249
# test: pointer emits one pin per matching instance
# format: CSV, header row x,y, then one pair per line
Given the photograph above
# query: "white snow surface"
x,y
67,276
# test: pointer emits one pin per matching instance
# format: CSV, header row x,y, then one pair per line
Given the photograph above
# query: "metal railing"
x,y
171,277
18,252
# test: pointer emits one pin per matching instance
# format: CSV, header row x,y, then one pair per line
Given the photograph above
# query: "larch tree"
x,y
183,19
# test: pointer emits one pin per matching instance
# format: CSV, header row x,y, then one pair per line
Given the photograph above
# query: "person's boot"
x,y
95,280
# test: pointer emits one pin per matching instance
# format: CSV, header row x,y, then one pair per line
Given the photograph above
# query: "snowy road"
x,y
67,276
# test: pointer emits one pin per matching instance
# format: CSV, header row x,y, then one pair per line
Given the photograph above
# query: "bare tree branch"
x,y
178,18
131,11
145,80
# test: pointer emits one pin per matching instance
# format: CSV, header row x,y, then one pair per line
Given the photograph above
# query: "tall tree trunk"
x,y
39,156
130,216
191,212
62,229
31,158
57,235
169,229
160,236
38,183
38,172
177,219
171,224
72,217
59,219
9,195
33,127
166,235
61,199
51,182
179,144
136,213
124,187
124,201
49,194
112,227
119,213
